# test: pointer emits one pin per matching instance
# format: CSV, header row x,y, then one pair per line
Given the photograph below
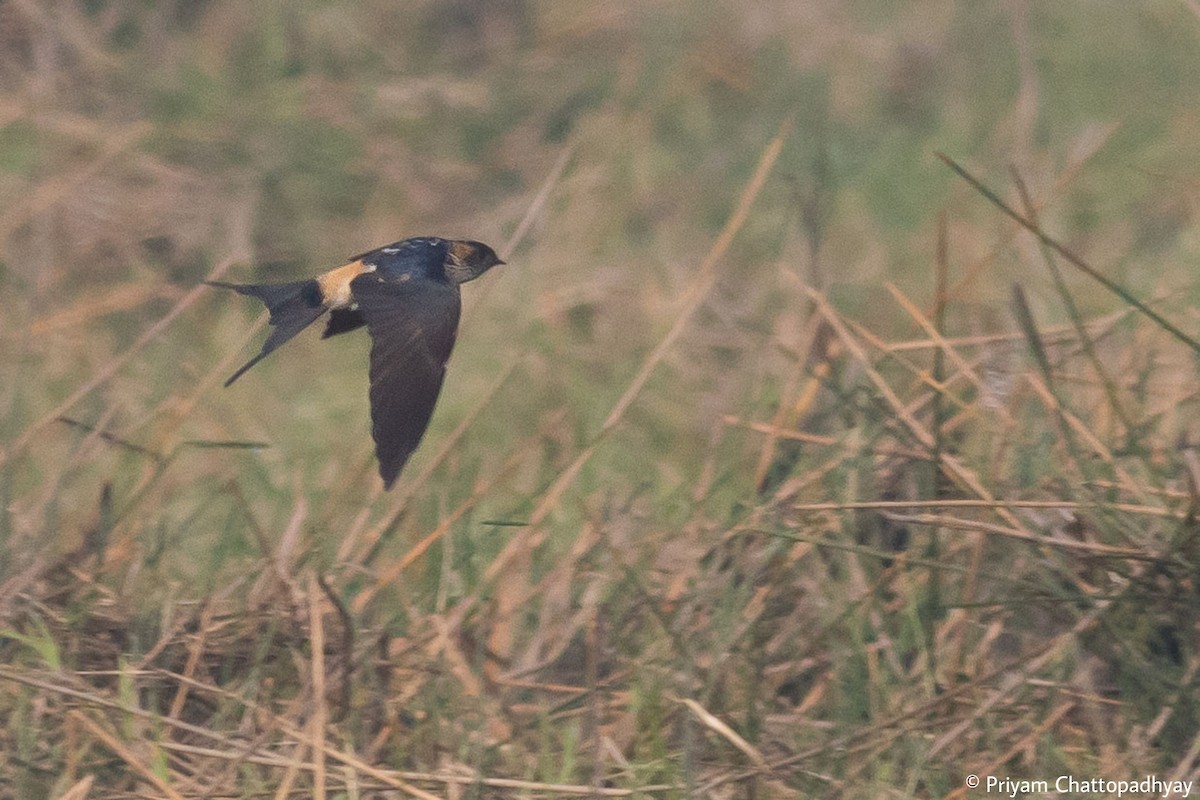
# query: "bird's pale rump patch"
x,y
335,284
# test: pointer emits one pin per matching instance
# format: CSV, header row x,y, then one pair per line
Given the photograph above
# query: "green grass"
x,y
701,512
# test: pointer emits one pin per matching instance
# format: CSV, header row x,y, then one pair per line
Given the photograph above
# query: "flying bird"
x,y
407,296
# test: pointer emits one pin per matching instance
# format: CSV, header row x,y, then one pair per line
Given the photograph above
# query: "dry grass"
x,y
778,460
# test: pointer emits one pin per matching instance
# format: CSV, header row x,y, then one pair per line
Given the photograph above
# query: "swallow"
x,y
407,296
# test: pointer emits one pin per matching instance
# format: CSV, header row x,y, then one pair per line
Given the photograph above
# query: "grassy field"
x,y
778,461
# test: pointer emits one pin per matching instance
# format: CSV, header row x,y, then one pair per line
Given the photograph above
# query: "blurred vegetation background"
x,y
632,519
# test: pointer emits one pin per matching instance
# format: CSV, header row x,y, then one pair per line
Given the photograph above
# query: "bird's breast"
x,y
335,284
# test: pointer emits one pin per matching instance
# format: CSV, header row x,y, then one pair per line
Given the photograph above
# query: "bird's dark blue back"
x,y
419,257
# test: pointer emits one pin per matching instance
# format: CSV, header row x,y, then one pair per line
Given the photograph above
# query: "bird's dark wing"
x,y
412,325
342,320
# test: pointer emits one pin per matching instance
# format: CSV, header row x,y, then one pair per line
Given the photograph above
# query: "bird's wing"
x,y
412,325
342,320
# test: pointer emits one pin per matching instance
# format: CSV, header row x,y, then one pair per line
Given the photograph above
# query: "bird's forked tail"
x,y
293,306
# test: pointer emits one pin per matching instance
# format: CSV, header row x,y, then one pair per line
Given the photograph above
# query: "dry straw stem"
x,y
776,432
1187,767
951,466
1070,257
803,384
539,200
706,276
195,651
1026,743
931,715
1094,144
53,190
320,711
124,753
1065,332
940,388
1168,710
80,789
523,543
387,574
1011,681
454,781
65,24
957,523
114,365
715,724
1066,505
1084,431
942,346
237,751
955,469
1023,673
1085,341
119,298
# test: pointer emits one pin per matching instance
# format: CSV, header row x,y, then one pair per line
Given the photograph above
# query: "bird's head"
x,y
466,260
